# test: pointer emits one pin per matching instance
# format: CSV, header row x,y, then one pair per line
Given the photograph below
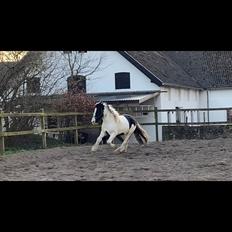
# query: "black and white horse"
x,y
116,125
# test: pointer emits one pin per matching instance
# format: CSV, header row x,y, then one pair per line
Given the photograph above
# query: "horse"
x,y
116,125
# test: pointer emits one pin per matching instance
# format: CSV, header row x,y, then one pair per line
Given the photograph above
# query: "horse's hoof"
x,y
93,149
113,145
122,150
115,151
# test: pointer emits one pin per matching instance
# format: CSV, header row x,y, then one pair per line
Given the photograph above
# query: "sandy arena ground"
x,y
171,160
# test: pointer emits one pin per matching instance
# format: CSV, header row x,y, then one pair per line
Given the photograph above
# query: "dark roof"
x,y
160,68
212,69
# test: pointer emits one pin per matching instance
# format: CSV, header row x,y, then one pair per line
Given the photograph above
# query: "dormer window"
x,y
122,80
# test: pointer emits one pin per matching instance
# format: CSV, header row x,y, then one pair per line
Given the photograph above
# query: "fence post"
x,y
42,121
185,117
178,115
156,124
168,117
2,142
191,116
76,131
198,116
59,126
204,117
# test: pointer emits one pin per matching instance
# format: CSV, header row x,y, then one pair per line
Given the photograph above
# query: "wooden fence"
x,y
43,130
43,116
203,117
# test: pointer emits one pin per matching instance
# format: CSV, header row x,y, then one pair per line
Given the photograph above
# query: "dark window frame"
x,y
122,80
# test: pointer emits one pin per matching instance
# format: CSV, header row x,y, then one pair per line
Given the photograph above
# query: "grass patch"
x,y
29,142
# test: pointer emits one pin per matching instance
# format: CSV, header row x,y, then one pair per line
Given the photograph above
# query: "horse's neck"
x,y
109,118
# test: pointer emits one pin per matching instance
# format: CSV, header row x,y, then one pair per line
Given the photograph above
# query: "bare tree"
x,y
80,67
28,77
47,72
80,63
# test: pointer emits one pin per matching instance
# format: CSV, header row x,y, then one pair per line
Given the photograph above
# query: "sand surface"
x,y
170,160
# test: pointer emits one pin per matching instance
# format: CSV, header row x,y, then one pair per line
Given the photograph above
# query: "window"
x,y
122,80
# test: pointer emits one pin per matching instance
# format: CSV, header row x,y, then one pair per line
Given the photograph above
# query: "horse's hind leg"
x,y
120,138
124,145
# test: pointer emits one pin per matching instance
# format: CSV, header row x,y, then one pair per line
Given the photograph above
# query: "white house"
x,y
159,80
149,79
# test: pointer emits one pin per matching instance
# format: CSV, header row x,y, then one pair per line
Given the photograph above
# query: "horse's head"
x,y
98,112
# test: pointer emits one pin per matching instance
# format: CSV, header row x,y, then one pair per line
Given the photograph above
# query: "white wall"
x,y
149,128
113,62
178,97
219,99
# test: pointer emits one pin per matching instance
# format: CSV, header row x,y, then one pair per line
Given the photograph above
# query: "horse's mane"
x,y
113,111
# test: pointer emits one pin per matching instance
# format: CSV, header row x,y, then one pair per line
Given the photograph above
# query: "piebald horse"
x,y
116,125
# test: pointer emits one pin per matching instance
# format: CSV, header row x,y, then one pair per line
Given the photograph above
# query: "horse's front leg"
x,y
99,139
111,138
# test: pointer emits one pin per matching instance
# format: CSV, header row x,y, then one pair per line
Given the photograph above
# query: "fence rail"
x,y
43,130
157,122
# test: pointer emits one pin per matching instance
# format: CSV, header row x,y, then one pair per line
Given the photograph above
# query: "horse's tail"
x,y
140,134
